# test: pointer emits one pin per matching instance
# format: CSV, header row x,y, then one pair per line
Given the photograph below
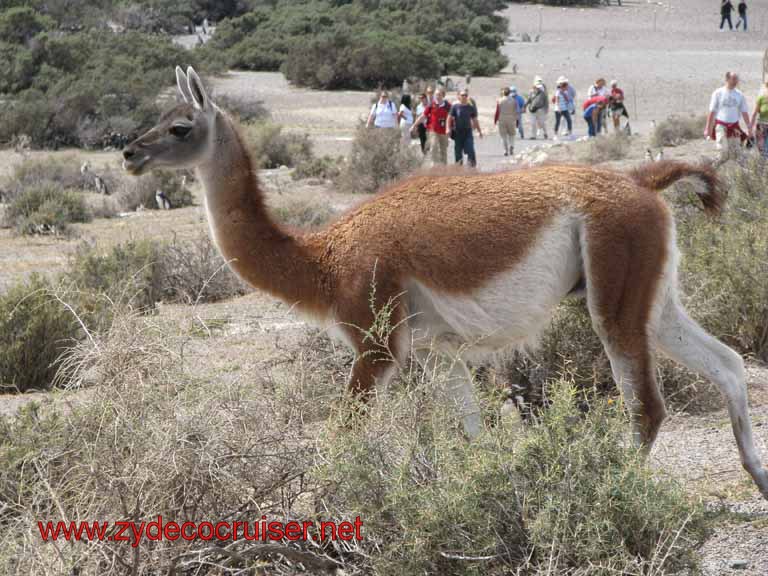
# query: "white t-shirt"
x,y
595,91
407,114
728,105
385,115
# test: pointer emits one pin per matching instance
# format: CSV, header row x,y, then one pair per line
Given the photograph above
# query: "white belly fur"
x,y
509,311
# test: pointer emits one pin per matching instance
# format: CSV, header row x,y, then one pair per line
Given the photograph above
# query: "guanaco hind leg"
x,y
685,341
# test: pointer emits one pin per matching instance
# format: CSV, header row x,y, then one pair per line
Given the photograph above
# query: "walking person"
x,y
538,105
506,119
421,127
383,113
726,108
405,119
563,105
437,115
759,124
742,10
725,14
462,120
520,111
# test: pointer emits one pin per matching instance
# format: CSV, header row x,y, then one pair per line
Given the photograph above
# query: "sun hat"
x,y
513,89
614,83
562,80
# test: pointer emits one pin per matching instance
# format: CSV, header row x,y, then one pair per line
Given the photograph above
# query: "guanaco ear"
x,y
196,89
182,84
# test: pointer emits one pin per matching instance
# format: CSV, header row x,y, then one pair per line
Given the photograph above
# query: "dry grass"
x,y
155,438
677,130
605,149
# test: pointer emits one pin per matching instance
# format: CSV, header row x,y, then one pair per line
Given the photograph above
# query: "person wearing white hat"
x,y
538,106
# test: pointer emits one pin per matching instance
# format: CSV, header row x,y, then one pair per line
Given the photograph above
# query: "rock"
x,y
739,564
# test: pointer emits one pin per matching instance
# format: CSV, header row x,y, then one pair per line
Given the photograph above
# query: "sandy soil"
x,y
671,69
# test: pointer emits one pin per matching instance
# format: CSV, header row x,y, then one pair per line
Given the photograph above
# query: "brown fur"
x,y
661,175
453,233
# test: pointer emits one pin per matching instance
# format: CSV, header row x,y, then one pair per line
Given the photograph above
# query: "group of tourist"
x,y
726,7
436,121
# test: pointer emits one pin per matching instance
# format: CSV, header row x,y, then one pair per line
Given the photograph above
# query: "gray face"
x,y
179,140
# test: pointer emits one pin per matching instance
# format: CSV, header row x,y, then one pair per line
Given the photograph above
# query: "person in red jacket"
x,y
436,115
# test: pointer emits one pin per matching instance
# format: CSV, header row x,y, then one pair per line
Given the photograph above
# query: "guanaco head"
x,y
182,136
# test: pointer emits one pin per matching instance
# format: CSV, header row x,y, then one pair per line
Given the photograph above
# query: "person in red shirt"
x,y
436,116
616,105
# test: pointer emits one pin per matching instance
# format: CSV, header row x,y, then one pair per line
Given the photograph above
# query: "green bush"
x,y
375,160
725,262
362,43
564,2
563,495
360,60
35,329
84,88
46,209
270,147
128,275
677,130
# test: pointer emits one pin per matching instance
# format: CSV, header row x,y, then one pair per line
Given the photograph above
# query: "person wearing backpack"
x,y
538,106
383,113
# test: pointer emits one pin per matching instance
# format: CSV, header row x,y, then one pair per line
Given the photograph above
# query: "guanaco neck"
x,y
260,251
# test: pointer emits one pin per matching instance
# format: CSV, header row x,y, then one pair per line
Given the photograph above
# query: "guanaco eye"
x,y
179,130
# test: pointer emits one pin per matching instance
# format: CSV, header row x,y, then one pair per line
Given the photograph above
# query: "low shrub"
x,y
725,262
246,110
375,160
363,45
301,210
605,149
677,130
571,349
132,192
35,329
193,271
46,209
322,168
271,147
564,495
64,171
128,275
152,437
